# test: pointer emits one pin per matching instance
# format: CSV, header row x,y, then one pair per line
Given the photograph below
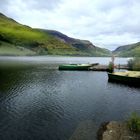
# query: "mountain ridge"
x,y
130,50
84,45
76,43
40,42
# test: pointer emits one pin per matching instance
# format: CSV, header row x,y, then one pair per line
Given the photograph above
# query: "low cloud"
x,y
105,23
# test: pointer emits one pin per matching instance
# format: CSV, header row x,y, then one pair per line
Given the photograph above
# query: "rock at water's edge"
x,y
116,131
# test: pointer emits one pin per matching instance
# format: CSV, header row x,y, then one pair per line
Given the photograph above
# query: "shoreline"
x,y
115,130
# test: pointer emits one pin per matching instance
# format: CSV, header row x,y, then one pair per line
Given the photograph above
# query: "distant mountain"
x,y
131,50
18,39
83,45
77,43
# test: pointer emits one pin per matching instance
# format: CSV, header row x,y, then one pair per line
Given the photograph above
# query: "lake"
x,y
39,102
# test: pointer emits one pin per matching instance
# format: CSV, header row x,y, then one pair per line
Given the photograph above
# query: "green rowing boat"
x,y
76,66
129,77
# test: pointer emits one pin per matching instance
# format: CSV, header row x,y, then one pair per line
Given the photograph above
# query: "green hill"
x,y
132,50
18,39
83,45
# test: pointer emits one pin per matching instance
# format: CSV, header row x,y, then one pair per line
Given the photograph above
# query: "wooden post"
x,y
113,60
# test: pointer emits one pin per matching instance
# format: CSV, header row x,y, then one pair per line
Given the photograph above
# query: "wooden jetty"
x,y
122,67
90,67
105,67
99,68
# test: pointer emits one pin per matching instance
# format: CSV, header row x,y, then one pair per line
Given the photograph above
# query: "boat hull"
x,y
74,67
124,79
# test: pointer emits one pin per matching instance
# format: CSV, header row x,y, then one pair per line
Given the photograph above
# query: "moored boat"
x,y
129,77
76,66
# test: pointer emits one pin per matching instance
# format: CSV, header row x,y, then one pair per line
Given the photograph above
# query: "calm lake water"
x,y
39,102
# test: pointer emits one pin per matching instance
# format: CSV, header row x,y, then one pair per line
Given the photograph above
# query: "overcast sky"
x,y
106,23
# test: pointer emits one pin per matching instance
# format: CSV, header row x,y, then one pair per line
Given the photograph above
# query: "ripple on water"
x,y
40,103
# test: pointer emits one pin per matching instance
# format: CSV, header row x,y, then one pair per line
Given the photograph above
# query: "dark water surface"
x,y
39,102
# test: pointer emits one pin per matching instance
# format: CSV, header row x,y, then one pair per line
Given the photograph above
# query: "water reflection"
x,y
38,102
29,102
122,84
